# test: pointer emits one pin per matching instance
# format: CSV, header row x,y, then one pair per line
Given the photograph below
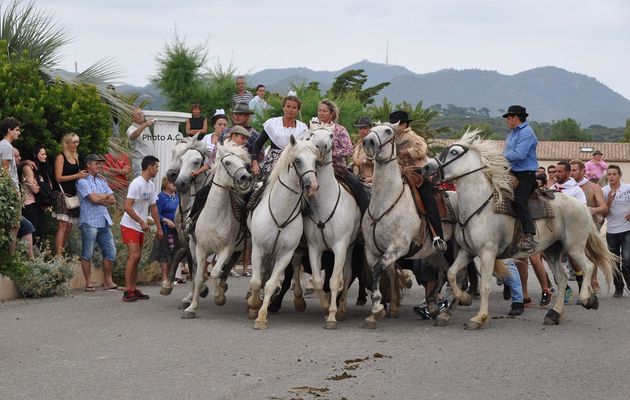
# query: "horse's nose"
x,y
369,142
245,178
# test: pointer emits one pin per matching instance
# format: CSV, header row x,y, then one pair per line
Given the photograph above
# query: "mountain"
x,y
549,93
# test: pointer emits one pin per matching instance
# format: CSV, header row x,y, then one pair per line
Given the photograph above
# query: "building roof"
x,y
556,151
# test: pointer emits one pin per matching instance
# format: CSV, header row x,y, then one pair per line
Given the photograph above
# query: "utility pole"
x,y
387,53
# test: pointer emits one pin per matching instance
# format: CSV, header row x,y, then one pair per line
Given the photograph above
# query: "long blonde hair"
x,y
66,148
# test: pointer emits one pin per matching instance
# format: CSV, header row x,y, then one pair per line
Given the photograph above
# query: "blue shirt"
x,y
167,206
95,215
520,149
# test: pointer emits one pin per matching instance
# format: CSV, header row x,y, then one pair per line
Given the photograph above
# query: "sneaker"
x,y
422,311
439,245
442,305
234,273
129,296
517,309
568,295
140,295
545,298
618,292
507,292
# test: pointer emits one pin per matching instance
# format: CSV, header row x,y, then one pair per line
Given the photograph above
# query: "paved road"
x,y
93,346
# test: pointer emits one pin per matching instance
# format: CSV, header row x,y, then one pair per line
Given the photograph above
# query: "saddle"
x,y
538,202
445,209
255,197
340,175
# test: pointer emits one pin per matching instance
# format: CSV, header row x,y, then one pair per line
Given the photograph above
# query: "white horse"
x,y
276,222
218,229
481,173
333,225
391,226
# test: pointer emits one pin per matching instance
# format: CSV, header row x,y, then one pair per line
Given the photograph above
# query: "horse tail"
x,y
500,269
597,252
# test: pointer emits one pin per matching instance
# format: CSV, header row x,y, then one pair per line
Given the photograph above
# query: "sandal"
x,y
90,288
527,301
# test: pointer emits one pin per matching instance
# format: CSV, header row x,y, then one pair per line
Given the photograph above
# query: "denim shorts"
x,y
101,236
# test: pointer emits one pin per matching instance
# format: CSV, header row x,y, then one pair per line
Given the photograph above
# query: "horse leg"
x,y
347,279
272,284
394,290
190,312
461,261
487,266
315,257
217,274
552,255
588,300
298,295
337,282
192,262
381,264
253,301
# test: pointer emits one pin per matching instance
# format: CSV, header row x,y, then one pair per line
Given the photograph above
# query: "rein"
x,y
442,156
375,221
393,156
322,224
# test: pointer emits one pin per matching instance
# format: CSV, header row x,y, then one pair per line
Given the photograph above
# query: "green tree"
x,y
568,130
351,82
626,132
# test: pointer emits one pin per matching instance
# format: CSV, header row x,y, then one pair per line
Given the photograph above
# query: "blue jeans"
x,y
619,245
513,280
102,236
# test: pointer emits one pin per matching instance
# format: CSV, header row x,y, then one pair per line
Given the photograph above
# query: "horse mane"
x,y
497,166
286,158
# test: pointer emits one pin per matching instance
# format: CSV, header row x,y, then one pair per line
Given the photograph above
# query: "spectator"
x,y
617,195
551,176
25,233
278,130
39,192
219,123
241,95
10,128
115,170
140,140
196,124
595,169
363,167
95,222
140,200
164,249
258,104
67,173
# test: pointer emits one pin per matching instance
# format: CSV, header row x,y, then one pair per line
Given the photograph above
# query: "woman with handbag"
x,y
67,173
39,192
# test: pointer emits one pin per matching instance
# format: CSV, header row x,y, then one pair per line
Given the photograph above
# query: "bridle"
x,y
235,182
441,164
394,153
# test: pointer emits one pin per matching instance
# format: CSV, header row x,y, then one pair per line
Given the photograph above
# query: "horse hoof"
x,y
473,326
252,313
220,300
330,325
379,314
183,305
204,292
369,323
300,304
466,299
260,325
188,315
441,321
592,303
552,318
166,291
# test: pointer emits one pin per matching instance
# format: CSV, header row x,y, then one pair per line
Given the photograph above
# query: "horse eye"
x,y
297,161
331,135
388,131
454,152
227,163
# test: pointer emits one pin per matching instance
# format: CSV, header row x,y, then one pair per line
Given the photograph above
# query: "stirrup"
x,y
189,226
528,244
439,245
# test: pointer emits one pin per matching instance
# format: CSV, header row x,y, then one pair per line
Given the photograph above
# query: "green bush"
x,y
46,277
10,211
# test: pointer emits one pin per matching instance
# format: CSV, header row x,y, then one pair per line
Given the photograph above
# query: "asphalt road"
x,y
93,346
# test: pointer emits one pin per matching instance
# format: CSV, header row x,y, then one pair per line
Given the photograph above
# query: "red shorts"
x,y
129,235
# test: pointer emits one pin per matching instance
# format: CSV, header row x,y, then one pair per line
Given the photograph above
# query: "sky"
x,y
590,37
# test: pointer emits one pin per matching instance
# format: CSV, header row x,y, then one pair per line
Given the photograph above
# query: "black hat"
x,y
598,152
516,110
364,122
93,157
242,108
399,116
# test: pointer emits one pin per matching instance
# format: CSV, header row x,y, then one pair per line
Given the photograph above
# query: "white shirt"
x,y
279,134
571,188
141,146
143,192
620,207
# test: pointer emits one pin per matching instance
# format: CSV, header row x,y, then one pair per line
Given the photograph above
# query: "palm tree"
x,y
32,32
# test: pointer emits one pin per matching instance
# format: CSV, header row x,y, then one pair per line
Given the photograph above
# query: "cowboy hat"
x,y
516,110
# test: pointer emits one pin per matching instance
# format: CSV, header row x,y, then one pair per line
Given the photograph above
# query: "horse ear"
x,y
292,140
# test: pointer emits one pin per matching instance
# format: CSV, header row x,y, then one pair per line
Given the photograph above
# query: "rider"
x,y
412,152
520,152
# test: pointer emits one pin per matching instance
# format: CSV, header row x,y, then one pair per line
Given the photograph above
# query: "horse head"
x,y
180,148
191,160
231,168
379,143
322,138
304,160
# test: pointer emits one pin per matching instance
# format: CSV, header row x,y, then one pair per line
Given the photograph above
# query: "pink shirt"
x,y
595,170
342,146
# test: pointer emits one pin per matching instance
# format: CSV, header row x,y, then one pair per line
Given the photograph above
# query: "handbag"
x,y
72,202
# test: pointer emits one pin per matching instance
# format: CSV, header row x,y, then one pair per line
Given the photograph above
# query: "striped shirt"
x,y
95,215
242,98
